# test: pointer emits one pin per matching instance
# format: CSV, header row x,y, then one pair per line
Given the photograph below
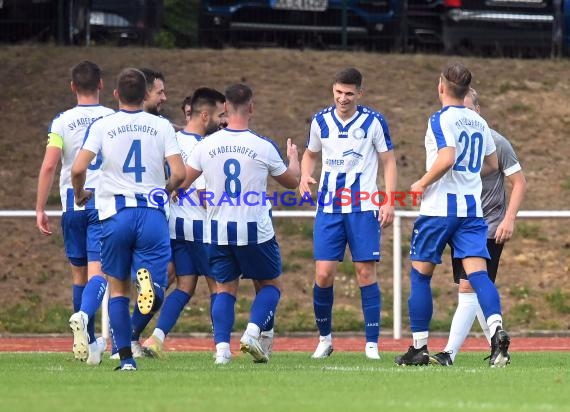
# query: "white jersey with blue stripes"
x,y
71,126
235,164
458,192
350,157
187,216
133,146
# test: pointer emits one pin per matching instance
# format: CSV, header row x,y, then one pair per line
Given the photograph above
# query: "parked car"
x,y
424,21
503,26
376,23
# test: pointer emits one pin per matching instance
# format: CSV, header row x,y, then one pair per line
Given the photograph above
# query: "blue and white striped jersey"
x,y
458,192
133,146
236,163
350,157
187,216
67,131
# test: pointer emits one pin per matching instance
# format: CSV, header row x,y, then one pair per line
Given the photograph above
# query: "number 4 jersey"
x,y
458,191
133,146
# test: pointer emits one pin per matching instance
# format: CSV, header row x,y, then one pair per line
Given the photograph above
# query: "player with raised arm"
x,y
236,161
353,139
186,221
80,224
134,146
500,217
458,143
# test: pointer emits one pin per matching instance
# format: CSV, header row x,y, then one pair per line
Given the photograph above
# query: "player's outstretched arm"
x,y
308,163
177,172
444,161
45,182
390,181
290,179
506,228
78,176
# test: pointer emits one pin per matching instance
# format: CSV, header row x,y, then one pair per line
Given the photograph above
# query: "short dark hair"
x,y
238,95
131,86
205,96
457,78
349,76
86,76
150,76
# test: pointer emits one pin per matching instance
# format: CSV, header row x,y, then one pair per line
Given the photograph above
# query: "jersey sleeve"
x,y
200,182
275,163
170,143
441,131
314,143
381,139
55,133
93,139
194,158
508,160
490,146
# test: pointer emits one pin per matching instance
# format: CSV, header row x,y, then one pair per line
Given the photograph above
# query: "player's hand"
x,y
82,197
305,184
504,231
292,151
417,187
42,222
386,216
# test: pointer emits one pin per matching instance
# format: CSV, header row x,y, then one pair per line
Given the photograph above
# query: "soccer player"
x,y
236,162
156,91
352,139
134,146
205,113
80,224
500,218
458,143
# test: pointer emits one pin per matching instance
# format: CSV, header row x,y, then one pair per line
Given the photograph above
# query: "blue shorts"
x,y
138,238
190,257
258,261
466,235
361,230
81,236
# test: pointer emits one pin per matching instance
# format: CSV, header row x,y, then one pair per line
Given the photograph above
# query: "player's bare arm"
x,y
290,179
45,182
390,182
444,161
308,163
506,228
78,176
177,172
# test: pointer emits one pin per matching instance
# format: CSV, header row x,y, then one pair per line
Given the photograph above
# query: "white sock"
x,y
253,330
483,323
268,333
494,321
463,318
222,347
420,339
326,338
159,334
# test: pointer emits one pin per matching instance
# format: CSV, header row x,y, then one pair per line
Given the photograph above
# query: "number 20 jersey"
x,y
458,192
133,146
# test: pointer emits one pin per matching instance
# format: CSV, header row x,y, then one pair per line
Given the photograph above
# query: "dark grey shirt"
x,y
493,196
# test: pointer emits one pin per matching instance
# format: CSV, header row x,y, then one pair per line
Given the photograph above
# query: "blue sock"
x,y
224,316
322,304
171,310
269,324
77,293
139,320
264,306
212,300
371,300
92,298
120,322
487,293
420,302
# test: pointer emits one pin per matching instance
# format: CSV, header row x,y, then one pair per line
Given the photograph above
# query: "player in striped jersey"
x,y
458,146
204,116
236,161
352,139
80,224
134,146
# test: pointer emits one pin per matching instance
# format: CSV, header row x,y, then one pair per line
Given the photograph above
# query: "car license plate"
x,y
306,5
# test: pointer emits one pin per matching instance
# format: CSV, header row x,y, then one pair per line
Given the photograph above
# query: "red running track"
x,y
296,344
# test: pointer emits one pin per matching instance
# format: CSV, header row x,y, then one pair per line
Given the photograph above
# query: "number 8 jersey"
x,y
458,192
133,146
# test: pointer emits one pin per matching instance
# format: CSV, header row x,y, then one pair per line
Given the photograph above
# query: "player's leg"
x,y
470,245
268,333
429,237
225,269
261,262
329,242
363,232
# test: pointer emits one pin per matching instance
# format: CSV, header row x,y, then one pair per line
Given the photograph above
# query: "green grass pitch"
x,y
535,381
